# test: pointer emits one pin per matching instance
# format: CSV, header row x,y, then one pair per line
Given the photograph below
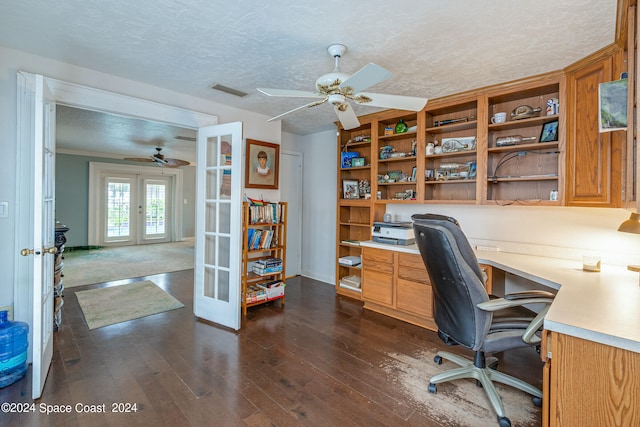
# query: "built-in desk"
x,y
592,370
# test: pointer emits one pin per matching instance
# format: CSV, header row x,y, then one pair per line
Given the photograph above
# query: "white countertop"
x,y
602,307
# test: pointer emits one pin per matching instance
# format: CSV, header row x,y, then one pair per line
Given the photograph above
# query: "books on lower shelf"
x,y
351,282
267,266
264,291
349,260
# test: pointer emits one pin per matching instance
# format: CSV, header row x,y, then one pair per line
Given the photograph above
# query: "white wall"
x,y
255,126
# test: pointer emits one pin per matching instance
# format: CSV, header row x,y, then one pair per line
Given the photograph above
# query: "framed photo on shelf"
x,y
350,189
262,164
549,132
357,162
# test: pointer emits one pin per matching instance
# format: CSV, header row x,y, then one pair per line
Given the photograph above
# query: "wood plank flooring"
x,y
314,362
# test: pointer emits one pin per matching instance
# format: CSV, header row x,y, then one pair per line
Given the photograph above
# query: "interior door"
x,y
291,192
219,224
37,227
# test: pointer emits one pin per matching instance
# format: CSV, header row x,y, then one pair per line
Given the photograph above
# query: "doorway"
x,y
134,205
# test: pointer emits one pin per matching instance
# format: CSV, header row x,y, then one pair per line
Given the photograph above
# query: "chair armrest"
x,y
502,303
528,294
529,335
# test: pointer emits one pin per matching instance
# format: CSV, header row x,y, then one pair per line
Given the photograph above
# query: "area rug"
x,y
105,264
459,403
116,304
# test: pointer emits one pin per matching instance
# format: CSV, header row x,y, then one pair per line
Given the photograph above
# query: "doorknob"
x,y
27,252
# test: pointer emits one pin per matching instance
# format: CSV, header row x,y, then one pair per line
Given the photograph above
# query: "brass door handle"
x,y
27,252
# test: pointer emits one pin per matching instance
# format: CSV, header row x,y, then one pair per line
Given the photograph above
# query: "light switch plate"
x,y
4,209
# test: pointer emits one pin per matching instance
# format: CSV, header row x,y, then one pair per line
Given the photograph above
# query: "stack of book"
x,y
255,293
267,266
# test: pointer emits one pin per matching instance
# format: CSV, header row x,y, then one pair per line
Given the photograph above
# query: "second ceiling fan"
x,y
337,88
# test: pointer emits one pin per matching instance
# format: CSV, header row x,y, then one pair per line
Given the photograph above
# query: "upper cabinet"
x,y
594,160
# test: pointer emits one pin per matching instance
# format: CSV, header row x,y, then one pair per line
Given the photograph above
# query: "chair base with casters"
x,y
482,371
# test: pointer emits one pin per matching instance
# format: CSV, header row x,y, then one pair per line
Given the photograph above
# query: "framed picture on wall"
x,y
612,103
262,165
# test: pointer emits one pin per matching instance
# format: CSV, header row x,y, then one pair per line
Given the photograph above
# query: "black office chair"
x,y
466,315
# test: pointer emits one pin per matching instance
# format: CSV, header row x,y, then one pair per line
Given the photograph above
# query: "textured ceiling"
x,y
432,47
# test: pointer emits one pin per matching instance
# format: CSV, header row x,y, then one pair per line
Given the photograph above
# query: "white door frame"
x,y
79,96
97,169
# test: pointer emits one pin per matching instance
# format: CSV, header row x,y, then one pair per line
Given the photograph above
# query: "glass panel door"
x,y
120,218
218,224
156,215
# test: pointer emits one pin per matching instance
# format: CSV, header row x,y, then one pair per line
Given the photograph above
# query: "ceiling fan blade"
x,y
365,77
348,117
175,163
398,102
289,93
138,159
311,104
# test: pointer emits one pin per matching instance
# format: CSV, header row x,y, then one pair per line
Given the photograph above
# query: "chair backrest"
x,y
456,279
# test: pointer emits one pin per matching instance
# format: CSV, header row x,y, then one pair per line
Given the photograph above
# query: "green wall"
x,y
72,196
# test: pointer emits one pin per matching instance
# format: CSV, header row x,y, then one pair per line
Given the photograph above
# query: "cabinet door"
x,y
377,287
594,175
377,276
415,298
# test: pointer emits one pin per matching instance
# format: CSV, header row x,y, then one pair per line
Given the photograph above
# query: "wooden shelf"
x,y
252,255
471,124
451,181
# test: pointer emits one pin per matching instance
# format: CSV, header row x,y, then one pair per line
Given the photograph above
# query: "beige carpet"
x,y
85,267
116,304
459,403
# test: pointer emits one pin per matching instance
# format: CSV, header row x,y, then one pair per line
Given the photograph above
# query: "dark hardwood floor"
x,y
320,360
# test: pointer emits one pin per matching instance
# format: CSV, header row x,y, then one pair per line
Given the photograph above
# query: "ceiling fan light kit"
x,y
337,88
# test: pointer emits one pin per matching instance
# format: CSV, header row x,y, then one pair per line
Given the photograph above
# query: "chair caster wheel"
x,y
433,388
537,401
504,422
438,360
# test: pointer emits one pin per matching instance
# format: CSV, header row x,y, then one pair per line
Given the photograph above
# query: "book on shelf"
x,y
266,213
255,293
266,271
269,262
349,260
351,242
259,239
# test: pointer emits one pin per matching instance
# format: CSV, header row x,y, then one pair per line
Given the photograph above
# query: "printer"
x,y
394,233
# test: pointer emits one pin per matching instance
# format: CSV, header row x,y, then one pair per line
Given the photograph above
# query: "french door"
x,y
218,224
136,209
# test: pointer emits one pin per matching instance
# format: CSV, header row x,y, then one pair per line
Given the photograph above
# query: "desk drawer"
x,y
411,267
378,260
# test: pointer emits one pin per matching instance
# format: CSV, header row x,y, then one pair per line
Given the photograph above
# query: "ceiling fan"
x,y
159,159
337,87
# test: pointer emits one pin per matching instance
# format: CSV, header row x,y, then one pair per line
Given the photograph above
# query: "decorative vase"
x,y
401,127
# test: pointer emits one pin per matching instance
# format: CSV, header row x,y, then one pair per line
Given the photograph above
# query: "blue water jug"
x,y
13,349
